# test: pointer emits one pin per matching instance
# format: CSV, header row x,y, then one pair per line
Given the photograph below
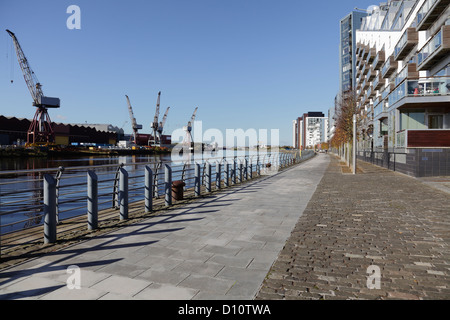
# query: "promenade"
x,y
218,247
380,219
309,232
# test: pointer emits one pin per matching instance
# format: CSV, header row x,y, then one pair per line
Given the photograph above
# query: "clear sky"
x,y
247,64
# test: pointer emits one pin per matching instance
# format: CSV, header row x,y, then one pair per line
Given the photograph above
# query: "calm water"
x,y
21,196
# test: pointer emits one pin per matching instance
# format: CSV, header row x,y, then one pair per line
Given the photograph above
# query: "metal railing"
x,y
32,198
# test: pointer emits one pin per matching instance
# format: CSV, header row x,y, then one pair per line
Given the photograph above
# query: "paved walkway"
x,y
220,247
397,225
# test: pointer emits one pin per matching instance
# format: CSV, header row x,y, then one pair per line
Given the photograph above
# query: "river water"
x,y
21,194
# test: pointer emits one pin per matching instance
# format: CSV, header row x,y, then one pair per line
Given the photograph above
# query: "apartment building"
x,y
310,130
347,48
403,86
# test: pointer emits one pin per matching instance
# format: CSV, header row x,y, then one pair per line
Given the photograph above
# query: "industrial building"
x,y
13,131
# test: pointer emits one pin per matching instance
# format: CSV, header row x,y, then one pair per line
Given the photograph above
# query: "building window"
x,y
412,119
436,121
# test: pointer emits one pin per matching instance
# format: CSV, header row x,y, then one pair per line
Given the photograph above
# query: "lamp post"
x,y
354,144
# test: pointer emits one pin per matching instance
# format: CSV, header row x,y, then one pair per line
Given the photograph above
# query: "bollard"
x,y
218,175
197,180
226,174
49,209
123,194
148,189
92,200
208,177
168,185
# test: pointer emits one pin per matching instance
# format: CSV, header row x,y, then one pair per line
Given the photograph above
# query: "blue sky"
x,y
247,64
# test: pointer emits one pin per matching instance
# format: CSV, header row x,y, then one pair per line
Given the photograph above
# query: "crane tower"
x,y
188,140
40,131
134,124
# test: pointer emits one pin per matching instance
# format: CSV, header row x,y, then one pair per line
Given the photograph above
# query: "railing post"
x,y
115,203
226,174
148,189
240,172
258,168
123,194
92,200
58,181
168,185
197,181
233,173
246,169
208,177
49,209
218,174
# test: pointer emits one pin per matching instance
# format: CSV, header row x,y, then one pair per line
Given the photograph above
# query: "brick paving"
x,y
377,217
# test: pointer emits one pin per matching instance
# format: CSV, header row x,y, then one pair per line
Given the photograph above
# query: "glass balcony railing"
x,y
401,76
429,12
400,139
422,87
385,92
405,44
429,48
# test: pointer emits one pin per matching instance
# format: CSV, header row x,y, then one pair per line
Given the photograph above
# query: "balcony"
x,y
431,138
365,84
370,92
429,12
371,54
365,69
380,111
389,67
404,46
359,49
417,92
371,74
378,82
408,72
379,60
435,49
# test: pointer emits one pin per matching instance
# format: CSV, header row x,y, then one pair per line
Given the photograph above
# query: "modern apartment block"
x,y
310,130
403,86
347,48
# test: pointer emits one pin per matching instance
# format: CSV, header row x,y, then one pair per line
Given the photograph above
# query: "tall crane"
x,y
161,126
188,139
134,124
40,130
155,123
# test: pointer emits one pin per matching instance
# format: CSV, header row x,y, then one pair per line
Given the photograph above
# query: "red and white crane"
x,y
40,131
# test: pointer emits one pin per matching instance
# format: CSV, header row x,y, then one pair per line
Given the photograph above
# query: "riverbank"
x,y
22,152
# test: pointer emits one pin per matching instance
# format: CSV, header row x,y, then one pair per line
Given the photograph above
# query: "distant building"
x,y
13,131
309,130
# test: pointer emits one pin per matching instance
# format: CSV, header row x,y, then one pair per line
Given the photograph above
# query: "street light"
x,y
354,144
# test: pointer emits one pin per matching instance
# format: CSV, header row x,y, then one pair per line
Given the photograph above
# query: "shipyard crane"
x,y
161,126
155,123
188,139
134,124
40,130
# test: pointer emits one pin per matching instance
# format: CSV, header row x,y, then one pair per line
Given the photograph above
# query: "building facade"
x,y
310,130
347,49
403,86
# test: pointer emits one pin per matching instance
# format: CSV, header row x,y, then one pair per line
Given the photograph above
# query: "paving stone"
x,y
377,217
